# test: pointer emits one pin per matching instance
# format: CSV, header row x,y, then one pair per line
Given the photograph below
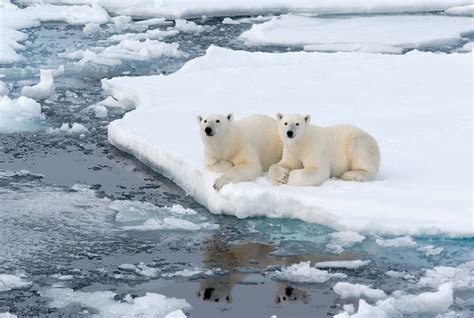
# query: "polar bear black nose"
x,y
289,133
208,131
208,293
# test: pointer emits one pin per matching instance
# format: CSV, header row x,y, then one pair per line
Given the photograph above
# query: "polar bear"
x,y
240,149
313,154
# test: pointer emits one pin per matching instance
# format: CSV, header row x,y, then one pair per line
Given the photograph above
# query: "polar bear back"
x,y
340,140
261,133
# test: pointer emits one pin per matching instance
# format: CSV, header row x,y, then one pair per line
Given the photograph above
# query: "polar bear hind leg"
x,y
364,156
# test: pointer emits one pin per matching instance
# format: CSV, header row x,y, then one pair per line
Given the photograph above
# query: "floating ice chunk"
x,y
154,21
214,84
185,273
125,50
121,22
467,48
7,315
230,21
58,72
150,34
190,26
100,110
141,269
4,90
157,218
467,10
348,290
396,274
430,250
376,34
342,264
403,241
111,103
43,89
171,223
149,305
462,277
304,273
21,108
73,129
341,240
9,282
91,28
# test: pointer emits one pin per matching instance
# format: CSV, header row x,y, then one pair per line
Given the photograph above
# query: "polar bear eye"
x,y
297,124
218,121
286,124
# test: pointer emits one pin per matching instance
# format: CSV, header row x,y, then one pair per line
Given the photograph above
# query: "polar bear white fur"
x,y
313,154
240,149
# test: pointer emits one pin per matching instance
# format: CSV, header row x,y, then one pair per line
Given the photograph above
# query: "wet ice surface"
x,y
130,231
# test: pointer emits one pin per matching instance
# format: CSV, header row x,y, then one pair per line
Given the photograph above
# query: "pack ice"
x,y
417,105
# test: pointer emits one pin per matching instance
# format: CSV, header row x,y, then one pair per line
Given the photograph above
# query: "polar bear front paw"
x,y
278,175
219,183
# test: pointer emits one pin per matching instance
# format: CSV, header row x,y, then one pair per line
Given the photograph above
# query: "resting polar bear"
x,y
312,154
240,149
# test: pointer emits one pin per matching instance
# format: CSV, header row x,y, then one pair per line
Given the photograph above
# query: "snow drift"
x,y
418,106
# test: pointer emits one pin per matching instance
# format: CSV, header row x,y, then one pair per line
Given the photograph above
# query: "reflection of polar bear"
x,y
289,294
240,149
259,256
312,154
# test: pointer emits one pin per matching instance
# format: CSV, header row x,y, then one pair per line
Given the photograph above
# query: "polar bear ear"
x,y
199,118
307,118
230,117
279,116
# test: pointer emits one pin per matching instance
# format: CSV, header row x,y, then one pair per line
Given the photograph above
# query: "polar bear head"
x,y
214,125
292,126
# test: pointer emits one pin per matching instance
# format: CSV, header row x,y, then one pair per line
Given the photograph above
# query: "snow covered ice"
x,y
376,34
408,189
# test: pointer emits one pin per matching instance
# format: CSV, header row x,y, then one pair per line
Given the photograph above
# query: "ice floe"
x,y
196,9
106,304
303,272
461,277
7,315
375,34
141,269
342,264
9,282
43,89
125,50
369,90
348,290
467,10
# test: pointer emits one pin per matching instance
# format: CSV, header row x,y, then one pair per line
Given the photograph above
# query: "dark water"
x,y
55,234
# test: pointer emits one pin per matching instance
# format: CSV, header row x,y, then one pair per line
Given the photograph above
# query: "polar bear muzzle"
x,y
208,131
290,134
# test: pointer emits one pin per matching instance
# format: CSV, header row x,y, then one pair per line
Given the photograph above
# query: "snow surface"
x,y
43,89
382,34
196,9
303,273
412,104
9,282
348,290
342,264
149,305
